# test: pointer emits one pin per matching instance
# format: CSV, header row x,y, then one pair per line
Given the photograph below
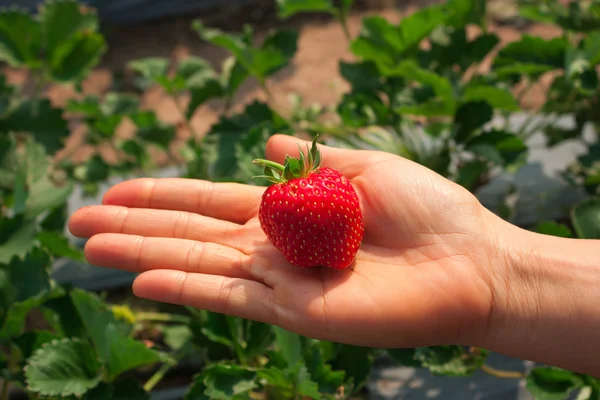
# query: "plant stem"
x,y
181,111
157,377
161,317
4,392
498,373
344,23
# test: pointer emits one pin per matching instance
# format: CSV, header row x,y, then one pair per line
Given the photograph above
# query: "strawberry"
x,y
311,213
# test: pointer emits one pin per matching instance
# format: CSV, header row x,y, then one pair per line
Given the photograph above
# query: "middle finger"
x,y
138,254
92,220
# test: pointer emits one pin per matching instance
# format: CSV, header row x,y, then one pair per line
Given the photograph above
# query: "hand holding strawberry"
x,y
420,275
311,213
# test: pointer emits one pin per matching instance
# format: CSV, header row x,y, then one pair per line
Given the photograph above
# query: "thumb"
x,y
349,162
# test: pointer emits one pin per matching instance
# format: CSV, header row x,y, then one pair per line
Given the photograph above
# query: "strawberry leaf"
x,y
469,173
223,382
17,237
63,368
553,228
549,383
498,98
451,360
586,218
469,117
72,44
387,44
39,118
274,53
124,353
20,39
58,245
530,56
29,287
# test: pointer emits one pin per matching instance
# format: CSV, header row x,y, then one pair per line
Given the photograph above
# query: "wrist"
x,y
545,296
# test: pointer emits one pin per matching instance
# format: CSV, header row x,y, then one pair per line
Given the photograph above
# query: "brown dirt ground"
x,y
313,73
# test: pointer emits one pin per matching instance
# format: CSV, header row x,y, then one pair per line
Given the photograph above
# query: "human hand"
x,y
420,278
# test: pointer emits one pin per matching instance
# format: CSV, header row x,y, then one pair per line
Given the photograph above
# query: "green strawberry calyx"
x,y
293,167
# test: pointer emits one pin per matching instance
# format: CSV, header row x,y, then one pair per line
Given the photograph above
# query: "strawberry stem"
x,y
293,167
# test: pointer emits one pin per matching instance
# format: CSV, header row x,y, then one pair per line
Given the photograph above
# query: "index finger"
x,y
233,202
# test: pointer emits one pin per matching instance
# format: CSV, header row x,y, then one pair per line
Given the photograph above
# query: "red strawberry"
x,y
312,213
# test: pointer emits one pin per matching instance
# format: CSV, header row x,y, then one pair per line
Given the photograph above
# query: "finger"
x,y
349,162
227,201
92,220
139,254
227,295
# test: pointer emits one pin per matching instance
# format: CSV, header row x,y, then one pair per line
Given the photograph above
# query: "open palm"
x,y
419,278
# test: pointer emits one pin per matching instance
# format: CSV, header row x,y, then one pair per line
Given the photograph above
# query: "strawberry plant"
x,y
417,89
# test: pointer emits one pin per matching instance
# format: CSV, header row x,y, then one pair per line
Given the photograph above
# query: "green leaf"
x,y
451,360
232,76
450,48
499,98
57,244
586,218
274,53
73,60
63,314
305,386
211,89
469,118
288,8
470,173
362,109
99,321
72,44
121,389
405,357
152,130
196,389
29,342
17,237
591,48
259,336
26,173
150,67
531,55
94,169
44,122
498,146
61,19
355,361
548,383
467,12
176,336
124,353
63,368
387,44
363,76
580,17
20,39
321,373
233,141
29,287
441,86
289,346
227,381
553,228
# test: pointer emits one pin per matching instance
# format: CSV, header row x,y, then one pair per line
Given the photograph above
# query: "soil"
x,y
313,74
